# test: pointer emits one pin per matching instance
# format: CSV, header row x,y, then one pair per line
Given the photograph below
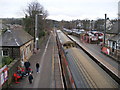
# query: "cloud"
x,y
63,9
82,10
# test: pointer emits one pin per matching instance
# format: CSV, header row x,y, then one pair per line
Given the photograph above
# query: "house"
x,y
113,41
17,43
114,45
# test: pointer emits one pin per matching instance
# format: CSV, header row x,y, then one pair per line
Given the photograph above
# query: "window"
x,y
28,49
118,46
5,53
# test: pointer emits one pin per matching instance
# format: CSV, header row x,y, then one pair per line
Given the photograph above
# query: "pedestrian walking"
x,y
37,67
30,78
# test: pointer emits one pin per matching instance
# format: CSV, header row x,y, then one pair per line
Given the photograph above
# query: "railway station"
x,y
76,45
71,64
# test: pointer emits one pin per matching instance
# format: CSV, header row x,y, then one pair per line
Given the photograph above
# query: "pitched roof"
x,y
15,37
115,38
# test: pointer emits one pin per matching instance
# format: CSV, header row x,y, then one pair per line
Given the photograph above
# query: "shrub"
x,y
6,61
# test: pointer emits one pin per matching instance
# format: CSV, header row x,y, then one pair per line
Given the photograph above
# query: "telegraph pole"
x,y
105,28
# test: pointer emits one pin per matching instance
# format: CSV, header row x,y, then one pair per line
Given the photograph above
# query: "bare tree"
x,y
32,9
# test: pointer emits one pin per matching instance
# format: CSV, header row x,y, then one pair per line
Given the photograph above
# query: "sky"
x,y
63,9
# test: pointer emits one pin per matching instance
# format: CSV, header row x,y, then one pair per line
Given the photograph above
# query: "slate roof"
x,y
115,38
15,37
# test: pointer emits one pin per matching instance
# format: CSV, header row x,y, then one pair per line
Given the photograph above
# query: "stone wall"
x,y
26,51
12,67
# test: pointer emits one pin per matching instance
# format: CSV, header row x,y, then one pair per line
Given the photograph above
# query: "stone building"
x,y
17,43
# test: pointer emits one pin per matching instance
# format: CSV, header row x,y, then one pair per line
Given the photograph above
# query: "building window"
x,y
30,47
118,45
5,53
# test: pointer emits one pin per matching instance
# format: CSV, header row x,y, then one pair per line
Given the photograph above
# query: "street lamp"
x,y
36,37
36,31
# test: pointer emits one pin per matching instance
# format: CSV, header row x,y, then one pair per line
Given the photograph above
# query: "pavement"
x,y
46,78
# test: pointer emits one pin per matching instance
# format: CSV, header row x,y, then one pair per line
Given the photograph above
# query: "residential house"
x,y
17,43
113,41
114,45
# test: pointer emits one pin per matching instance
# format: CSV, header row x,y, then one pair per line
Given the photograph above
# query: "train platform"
x,y
95,51
57,79
50,75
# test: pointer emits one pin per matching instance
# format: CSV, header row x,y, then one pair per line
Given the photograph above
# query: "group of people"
x,y
30,77
27,66
28,71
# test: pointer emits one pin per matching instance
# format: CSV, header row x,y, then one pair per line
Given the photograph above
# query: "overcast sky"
x,y
63,9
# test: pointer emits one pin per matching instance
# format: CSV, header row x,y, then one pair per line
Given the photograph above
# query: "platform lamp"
x,y
36,30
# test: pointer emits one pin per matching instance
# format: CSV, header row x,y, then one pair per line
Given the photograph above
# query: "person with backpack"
x,y
27,65
30,78
37,67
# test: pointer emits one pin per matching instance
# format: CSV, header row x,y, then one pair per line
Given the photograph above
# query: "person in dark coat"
x,y
30,78
37,67
27,65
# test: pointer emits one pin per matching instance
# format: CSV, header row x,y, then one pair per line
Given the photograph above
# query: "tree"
x,y
86,24
99,25
33,9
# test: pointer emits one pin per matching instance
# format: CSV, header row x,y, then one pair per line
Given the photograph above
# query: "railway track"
x,y
103,66
86,73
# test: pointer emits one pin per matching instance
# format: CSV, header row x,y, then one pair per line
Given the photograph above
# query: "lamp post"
x,y
36,36
105,28
36,31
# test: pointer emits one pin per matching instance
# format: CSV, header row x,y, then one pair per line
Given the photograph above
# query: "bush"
x,y
6,61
